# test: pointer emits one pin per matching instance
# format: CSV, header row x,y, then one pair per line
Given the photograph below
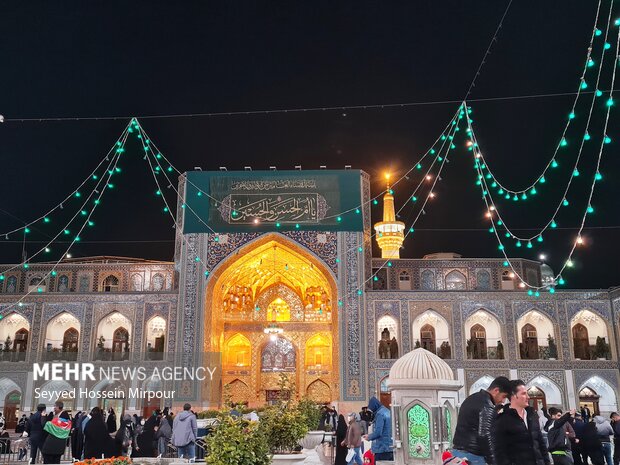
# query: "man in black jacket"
x,y
472,436
34,428
559,436
615,424
517,436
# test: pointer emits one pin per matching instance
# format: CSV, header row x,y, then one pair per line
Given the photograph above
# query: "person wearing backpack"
x,y
559,433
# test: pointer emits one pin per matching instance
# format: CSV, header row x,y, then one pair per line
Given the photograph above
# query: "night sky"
x,y
112,58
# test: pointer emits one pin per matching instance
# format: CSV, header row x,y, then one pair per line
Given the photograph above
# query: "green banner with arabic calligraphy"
x,y
249,201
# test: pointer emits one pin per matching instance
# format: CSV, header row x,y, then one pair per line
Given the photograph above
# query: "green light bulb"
x,y
493,184
500,222
554,224
169,169
110,186
507,196
411,230
26,230
165,209
590,209
563,142
540,238
561,282
206,273
157,168
97,202
518,244
374,202
515,198
507,234
359,249
554,164
26,266
610,102
67,232
157,192
46,220
357,210
529,244
54,272
542,180
575,172
536,294
607,45
77,194
607,140
500,192
590,63
77,239
419,166
571,115
1,277
598,93
95,177
533,191
414,199
524,196
617,22
84,213
491,230
584,85
505,263
339,219
389,263
277,225
598,32
432,151
565,203
598,176
197,259
199,194
359,292
296,225
586,136
530,292
500,247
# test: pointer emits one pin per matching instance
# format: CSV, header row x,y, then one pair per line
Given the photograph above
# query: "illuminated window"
x,y
278,310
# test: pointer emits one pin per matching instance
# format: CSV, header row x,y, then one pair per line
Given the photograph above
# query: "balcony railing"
x,y
12,356
109,356
51,356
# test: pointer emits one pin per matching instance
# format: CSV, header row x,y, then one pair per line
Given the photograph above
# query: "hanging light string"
x,y
410,229
151,148
75,193
552,163
357,209
87,221
558,279
563,202
177,226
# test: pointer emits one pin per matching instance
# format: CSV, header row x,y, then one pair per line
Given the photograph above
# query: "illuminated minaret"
x,y
390,233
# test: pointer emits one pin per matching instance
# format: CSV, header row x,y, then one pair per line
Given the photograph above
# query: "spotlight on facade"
x,y
223,168
298,167
197,168
347,167
272,168
542,257
322,167
247,168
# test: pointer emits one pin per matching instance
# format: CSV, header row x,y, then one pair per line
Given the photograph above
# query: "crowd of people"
x,y
95,434
497,426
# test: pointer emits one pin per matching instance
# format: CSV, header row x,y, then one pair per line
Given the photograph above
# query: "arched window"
x,y
21,340
63,283
158,282
581,342
477,344
455,281
70,340
428,280
11,285
529,346
385,396
427,338
387,329
120,340
483,279
537,397
404,281
278,356
84,285
238,351
111,284
136,282
318,352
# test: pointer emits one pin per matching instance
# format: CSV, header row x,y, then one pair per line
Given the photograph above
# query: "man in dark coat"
x,y
58,428
517,436
559,436
615,424
472,436
34,428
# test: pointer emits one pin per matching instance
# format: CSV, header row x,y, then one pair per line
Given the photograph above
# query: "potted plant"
x,y
236,441
553,348
285,426
312,413
417,344
601,349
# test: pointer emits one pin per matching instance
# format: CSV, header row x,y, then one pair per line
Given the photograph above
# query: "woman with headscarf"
x,y
125,436
353,439
341,434
163,435
111,421
144,441
97,441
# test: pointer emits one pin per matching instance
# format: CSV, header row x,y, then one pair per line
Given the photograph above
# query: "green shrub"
x,y
312,413
207,414
237,442
284,428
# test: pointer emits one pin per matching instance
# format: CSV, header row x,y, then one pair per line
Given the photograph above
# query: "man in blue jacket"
x,y
34,428
381,435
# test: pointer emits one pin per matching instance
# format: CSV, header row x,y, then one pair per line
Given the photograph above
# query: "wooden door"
x,y
529,337
12,403
70,340
159,344
581,342
478,342
21,340
427,338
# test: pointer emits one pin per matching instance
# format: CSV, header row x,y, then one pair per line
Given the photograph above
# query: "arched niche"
x,y
533,331
431,323
586,328
238,351
484,334
318,352
62,337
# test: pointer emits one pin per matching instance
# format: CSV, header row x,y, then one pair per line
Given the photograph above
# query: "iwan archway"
x,y
272,308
